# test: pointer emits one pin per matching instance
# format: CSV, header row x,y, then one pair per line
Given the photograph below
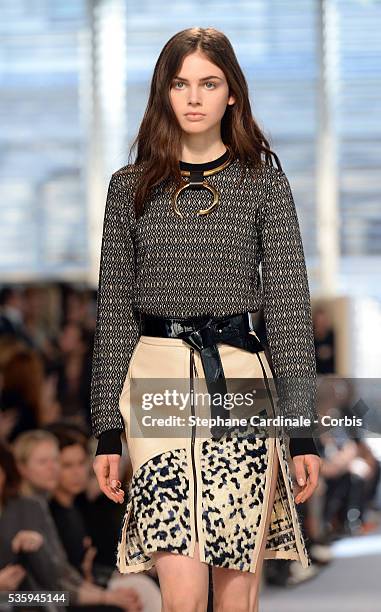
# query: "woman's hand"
x,y
88,559
124,597
10,577
27,541
106,468
307,469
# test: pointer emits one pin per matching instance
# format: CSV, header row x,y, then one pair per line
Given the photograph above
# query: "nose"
x,y
194,94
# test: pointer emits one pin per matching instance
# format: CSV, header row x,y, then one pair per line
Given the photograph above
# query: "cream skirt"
x,y
188,488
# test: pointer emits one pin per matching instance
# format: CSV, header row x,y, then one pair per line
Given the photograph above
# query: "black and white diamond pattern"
x,y
163,265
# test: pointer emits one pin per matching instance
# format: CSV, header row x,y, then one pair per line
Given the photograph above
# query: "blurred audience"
x,y
345,503
324,335
79,518
29,534
12,304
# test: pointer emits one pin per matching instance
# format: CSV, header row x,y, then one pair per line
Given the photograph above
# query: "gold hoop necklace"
x,y
197,180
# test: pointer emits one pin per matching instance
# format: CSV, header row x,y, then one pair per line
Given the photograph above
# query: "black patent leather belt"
x,y
203,334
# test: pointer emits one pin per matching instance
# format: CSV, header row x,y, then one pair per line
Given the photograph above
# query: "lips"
x,y
194,118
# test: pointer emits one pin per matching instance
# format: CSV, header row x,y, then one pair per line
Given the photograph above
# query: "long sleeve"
x,y
117,327
25,513
287,310
48,567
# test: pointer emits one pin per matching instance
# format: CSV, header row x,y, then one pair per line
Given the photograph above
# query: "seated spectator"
x,y
23,376
73,383
12,315
13,576
325,342
72,481
37,459
27,392
78,518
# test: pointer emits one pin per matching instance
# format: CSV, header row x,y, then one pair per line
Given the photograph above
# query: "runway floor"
x,y
351,583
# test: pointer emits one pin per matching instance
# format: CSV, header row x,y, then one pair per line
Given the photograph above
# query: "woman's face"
x,y
70,338
74,469
199,87
42,468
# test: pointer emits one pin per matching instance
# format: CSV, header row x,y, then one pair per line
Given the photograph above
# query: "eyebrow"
x,y
203,79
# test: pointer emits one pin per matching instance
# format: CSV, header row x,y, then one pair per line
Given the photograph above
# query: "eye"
x,y
176,84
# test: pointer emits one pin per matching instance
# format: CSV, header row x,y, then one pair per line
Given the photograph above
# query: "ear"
x,y
231,100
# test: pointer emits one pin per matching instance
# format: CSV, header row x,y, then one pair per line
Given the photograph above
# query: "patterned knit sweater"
x,y
163,265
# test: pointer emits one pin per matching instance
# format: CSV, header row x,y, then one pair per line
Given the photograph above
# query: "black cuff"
x,y
109,443
303,446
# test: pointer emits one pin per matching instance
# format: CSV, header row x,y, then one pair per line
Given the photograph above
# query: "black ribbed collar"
x,y
206,165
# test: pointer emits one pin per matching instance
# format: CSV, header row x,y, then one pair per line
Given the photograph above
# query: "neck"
x,y
27,489
64,498
201,150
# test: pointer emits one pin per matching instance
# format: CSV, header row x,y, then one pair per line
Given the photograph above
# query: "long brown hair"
x,y
159,138
24,377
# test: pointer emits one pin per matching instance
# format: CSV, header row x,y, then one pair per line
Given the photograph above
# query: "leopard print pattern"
x,y
233,478
157,511
232,482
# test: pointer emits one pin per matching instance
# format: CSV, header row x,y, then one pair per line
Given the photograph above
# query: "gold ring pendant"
x,y
202,211
199,181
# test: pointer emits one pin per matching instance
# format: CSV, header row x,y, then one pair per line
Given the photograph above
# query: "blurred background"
x,y
74,80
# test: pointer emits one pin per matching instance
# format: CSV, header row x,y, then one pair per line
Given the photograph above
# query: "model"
x,y
200,231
